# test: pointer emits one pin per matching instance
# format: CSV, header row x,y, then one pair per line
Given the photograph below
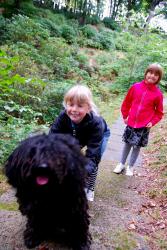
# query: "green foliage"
x,y
89,31
28,9
111,24
57,55
13,132
106,40
82,58
68,33
94,19
41,58
54,29
125,41
24,29
7,79
3,30
53,99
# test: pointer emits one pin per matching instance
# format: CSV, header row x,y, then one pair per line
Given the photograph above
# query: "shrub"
x,y
28,9
111,24
94,19
125,41
22,28
57,19
89,31
57,55
52,99
68,33
54,29
3,29
106,40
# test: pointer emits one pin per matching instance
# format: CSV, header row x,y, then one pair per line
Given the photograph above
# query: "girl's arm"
x,y
126,104
93,152
58,124
158,110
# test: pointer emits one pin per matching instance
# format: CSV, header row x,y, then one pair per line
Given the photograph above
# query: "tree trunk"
x,y
151,14
17,4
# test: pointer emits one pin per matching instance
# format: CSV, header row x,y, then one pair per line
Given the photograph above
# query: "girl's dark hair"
x,y
155,67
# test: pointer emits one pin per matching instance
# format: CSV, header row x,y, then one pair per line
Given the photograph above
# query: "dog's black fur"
x,y
48,174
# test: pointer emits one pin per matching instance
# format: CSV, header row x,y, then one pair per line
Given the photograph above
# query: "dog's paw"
x,y
81,247
30,239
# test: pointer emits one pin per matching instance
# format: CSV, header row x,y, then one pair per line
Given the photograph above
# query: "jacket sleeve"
x,y
127,102
158,110
57,126
93,152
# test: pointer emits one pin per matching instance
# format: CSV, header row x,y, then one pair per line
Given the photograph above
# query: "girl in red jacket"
x,y
141,109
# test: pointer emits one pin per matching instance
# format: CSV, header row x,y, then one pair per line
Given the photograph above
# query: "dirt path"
x,y
114,213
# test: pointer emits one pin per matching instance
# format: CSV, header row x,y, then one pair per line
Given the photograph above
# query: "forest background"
x,y
47,46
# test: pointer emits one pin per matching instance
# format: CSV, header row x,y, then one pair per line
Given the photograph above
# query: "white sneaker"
x,y
90,195
129,171
118,169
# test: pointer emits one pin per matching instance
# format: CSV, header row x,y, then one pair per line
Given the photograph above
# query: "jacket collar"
x,y
149,86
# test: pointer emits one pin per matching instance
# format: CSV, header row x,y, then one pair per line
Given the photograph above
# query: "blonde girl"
x,y
80,119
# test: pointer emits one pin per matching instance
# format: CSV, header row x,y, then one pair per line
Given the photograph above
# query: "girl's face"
x,y
77,111
151,77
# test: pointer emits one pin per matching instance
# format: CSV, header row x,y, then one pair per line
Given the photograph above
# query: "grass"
x,y
127,241
9,206
3,184
111,110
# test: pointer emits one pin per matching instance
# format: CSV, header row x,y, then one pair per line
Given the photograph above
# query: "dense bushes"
x,y
44,54
112,24
24,29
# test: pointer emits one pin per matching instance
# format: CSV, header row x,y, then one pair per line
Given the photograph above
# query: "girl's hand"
x,y
126,121
149,125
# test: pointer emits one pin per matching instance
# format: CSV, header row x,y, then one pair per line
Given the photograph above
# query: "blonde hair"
x,y
81,94
155,67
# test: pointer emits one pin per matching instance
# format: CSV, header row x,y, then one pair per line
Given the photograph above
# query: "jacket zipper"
x,y
139,107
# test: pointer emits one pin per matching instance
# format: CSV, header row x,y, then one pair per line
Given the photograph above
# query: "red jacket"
x,y
142,104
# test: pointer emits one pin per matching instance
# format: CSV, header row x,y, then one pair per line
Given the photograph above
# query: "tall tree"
x,y
150,7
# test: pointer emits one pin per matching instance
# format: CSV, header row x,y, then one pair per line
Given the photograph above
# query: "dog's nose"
x,y
43,165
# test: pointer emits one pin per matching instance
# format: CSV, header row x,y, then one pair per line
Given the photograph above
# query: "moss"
x,y
3,184
9,206
124,240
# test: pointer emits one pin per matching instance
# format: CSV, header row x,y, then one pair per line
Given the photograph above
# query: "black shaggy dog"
x,y
48,174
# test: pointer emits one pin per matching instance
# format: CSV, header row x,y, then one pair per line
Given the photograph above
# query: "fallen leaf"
x,y
131,226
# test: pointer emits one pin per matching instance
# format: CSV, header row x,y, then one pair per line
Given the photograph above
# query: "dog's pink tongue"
x,y
42,180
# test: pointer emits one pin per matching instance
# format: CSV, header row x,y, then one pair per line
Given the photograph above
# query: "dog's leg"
x,y
80,237
31,237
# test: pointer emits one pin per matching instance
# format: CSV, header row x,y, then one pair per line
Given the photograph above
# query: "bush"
x,y
106,40
89,31
28,9
52,101
68,33
125,41
22,28
57,19
57,55
94,19
111,24
3,29
54,29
